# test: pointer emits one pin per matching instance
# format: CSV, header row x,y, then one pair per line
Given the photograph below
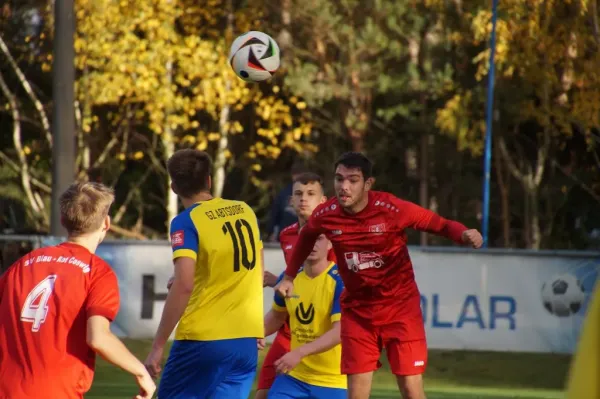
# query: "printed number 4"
x,y
35,308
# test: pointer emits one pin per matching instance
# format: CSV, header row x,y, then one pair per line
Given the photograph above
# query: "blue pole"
x,y
488,131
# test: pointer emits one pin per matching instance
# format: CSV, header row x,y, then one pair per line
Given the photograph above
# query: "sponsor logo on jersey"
x,y
357,261
177,239
288,247
305,315
336,232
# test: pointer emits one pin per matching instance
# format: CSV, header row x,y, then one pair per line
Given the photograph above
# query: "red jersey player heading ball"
x,y
381,302
56,304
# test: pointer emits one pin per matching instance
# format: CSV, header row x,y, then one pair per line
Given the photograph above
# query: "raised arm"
x,y
413,216
305,244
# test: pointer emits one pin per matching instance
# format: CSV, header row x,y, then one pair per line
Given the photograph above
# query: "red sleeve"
x,y
2,283
103,295
418,218
283,242
306,242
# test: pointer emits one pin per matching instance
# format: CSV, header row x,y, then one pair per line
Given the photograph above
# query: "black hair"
x,y
356,160
189,170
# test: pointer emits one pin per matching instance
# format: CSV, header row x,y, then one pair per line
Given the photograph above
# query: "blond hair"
x,y
84,206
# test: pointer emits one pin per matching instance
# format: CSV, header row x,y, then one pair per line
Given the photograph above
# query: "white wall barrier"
x,y
492,300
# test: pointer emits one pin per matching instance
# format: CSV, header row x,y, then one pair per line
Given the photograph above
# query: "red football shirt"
x,y
46,298
373,258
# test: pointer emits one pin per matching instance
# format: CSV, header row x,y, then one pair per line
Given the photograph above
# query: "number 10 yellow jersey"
x,y
223,237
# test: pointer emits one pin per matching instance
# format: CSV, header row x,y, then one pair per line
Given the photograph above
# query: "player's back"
x,y
45,300
227,298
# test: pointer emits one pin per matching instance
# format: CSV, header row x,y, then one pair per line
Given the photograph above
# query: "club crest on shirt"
x,y
377,228
177,239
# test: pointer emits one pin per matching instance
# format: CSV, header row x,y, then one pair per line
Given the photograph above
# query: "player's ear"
x,y
106,225
209,182
369,183
323,199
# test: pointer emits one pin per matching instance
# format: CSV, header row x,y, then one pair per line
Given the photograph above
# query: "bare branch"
x,y
132,191
25,177
512,167
29,90
34,181
542,156
127,233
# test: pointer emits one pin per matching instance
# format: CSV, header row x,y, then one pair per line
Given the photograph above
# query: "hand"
x,y
260,343
473,238
147,386
170,283
269,279
287,362
154,360
285,288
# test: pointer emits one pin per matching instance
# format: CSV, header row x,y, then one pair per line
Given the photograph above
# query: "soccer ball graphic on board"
x,y
563,296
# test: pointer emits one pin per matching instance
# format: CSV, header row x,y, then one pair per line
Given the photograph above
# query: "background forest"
x,y
404,81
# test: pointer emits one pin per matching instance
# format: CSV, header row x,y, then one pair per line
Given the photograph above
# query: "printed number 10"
x,y
238,239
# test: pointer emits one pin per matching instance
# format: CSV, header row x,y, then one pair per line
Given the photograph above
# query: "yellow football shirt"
x,y
584,376
312,314
222,236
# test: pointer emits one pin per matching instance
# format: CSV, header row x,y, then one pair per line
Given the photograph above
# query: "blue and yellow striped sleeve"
x,y
184,237
278,300
336,309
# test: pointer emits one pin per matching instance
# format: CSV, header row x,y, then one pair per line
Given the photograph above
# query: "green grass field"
x,y
450,375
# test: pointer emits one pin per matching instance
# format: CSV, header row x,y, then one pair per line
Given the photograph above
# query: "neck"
x,y
301,221
314,268
202,196
88,241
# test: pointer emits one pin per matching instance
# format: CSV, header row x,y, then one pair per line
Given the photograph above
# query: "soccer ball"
x,y
563,296
254,56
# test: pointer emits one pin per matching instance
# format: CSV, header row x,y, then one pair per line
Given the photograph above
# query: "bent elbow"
x,y
94,341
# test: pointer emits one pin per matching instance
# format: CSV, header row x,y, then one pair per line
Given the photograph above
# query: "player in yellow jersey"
x,y
217,291
584,376
311,370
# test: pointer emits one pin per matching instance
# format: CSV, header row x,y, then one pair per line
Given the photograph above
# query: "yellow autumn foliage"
x,y
168,58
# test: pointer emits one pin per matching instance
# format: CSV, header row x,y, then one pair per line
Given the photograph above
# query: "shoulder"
x,y
185,217
331,207
386,202
291,230
100,267
334,274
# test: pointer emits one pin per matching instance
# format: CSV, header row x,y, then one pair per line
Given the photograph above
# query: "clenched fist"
x,y
472,238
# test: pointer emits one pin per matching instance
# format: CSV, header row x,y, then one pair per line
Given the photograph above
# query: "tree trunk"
x,y
29,90
424,180
35,204
504,185
535,231
531,181
220,159
169,146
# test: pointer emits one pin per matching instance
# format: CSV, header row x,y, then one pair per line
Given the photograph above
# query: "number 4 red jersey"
x,y
46,298
373,259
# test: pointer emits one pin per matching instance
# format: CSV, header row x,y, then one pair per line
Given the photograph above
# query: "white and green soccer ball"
x,y
254,56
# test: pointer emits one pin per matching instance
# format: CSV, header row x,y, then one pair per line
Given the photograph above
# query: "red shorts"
x,y
362,345
279,347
